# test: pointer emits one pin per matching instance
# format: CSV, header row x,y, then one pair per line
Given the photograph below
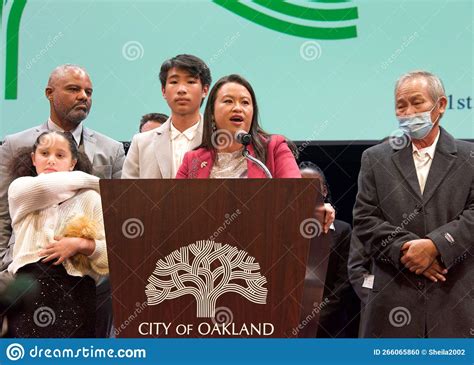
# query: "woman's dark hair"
x,y
22,165
312,167
260,138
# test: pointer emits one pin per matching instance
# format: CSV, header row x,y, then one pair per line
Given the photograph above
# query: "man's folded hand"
x,y
418,255
436,272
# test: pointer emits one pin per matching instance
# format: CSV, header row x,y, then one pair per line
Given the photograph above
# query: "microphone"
x,y
243,137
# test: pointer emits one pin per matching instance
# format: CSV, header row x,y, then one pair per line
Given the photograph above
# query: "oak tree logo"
x,y
206,270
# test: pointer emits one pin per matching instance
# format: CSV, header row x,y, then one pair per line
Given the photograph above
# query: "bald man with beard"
x,y
69,92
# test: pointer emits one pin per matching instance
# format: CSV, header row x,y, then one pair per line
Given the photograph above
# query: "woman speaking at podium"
x,y
234,146
230,132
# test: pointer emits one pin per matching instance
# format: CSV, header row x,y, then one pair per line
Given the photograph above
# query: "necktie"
x,y
69,135
81,144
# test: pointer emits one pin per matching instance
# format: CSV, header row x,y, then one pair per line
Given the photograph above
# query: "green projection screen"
x,y
322,70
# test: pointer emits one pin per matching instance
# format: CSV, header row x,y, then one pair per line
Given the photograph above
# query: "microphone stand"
x,y
259,163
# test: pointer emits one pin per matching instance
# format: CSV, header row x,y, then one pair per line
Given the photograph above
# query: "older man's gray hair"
x,y
435,85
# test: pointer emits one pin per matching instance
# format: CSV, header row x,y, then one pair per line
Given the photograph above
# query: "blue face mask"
x,y
417,126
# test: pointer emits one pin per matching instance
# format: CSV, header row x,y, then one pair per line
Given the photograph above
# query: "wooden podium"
x,y
215,258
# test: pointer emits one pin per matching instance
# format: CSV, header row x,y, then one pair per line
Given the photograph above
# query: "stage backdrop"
x,y
322,70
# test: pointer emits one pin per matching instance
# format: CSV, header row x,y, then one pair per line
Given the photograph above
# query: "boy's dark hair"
x,y
189,63
22,165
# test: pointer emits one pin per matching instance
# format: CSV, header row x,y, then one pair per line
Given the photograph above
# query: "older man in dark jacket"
x,y
415,210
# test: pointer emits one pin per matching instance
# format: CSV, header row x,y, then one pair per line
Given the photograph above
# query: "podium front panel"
x,y
208,258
